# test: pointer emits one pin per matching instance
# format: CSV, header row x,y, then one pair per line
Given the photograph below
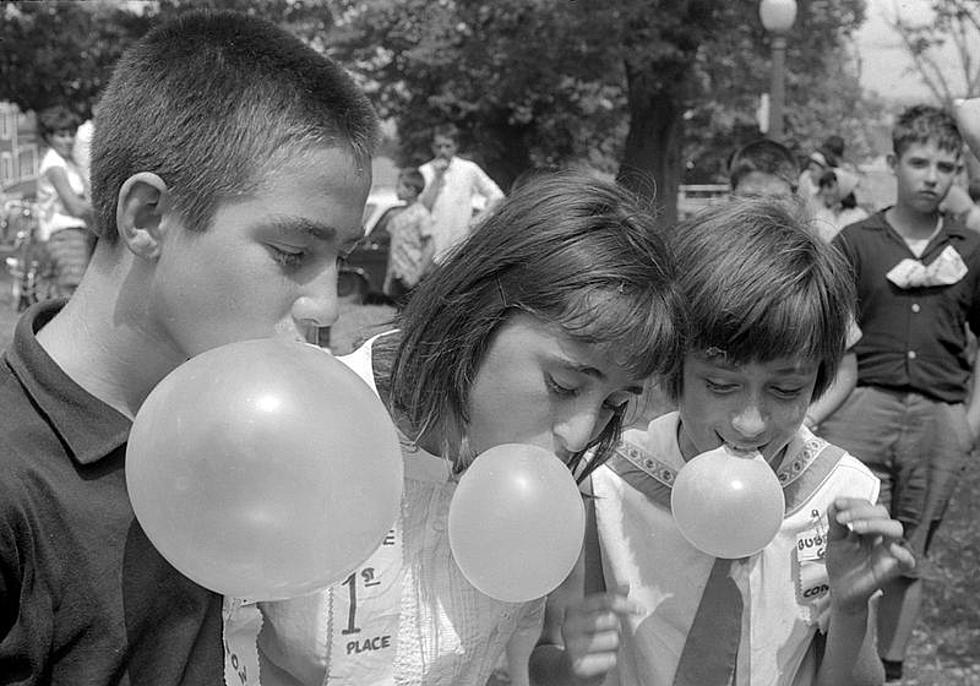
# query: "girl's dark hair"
x,y
566,248
56,118
759,285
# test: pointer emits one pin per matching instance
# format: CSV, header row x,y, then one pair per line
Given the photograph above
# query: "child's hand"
x,y
591,631
865,550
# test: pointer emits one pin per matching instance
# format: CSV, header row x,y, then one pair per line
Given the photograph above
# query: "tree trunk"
x,y
505,151
652,157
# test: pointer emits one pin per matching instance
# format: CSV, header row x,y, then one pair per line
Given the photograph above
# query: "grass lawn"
x,y
946,646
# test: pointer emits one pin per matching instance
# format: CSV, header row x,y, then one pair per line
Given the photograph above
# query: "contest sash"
x,y
358,618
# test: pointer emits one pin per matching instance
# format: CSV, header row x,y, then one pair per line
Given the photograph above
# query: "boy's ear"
x,y
892,160
144,201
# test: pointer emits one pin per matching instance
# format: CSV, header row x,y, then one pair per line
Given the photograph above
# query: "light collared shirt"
x,y
452,210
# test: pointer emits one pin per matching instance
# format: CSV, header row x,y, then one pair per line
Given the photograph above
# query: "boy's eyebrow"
x,y
290,224
593,372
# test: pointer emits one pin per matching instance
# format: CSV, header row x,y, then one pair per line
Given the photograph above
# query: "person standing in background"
x,y
410,257
913,418
836,205
81,151
451,184
62,194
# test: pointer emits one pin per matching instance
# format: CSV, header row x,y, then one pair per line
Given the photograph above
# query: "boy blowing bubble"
x,y
230,168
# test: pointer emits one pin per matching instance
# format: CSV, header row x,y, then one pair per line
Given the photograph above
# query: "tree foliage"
x,y
645,89
955,24
64,52
621,84
61,53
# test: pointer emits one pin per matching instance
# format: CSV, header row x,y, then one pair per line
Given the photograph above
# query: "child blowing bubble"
x,y
230,168
539,330
768,314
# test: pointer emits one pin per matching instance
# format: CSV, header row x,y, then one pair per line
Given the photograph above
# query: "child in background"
x,y
836,205
230,168
768,314
412,246
540,330
763,168
62,196
915,415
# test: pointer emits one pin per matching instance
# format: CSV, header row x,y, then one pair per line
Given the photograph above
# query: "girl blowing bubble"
x,y
539,329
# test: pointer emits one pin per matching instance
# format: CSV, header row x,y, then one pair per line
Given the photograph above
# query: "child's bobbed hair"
x,y
759,285
56,118
567,248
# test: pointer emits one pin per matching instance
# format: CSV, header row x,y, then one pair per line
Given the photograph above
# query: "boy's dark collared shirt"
x,y
84,596
913,339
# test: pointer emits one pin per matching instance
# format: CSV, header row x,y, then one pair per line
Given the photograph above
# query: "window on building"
x,y
8,123
27,162
6,168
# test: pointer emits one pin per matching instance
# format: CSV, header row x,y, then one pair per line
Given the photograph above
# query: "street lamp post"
x,y
777,17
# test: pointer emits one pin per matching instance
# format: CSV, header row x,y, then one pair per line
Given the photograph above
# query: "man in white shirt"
x,y
451,183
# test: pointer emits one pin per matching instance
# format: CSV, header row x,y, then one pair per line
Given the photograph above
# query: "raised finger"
x,y
593,665
610,601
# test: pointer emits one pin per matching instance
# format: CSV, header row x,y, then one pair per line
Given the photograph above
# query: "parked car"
x,y
363,274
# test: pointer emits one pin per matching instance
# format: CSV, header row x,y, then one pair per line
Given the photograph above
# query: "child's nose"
x,y
749,421
319,305
573,434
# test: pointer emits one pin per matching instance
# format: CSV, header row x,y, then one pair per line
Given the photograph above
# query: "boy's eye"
x,y
788,392
287,258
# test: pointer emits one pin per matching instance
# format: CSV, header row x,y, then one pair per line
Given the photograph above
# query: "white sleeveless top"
x,y
54,217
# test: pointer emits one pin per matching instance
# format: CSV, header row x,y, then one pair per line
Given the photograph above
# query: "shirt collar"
x,y
89,428
950,227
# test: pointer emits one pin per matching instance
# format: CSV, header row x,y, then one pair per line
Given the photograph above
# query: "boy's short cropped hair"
x,y
446,130
760,285
212,103
764,156
834,144
924,123
412,177
56,118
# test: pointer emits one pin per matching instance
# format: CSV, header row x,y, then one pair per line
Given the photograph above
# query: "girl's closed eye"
x,y
720,386
787,392
561,388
